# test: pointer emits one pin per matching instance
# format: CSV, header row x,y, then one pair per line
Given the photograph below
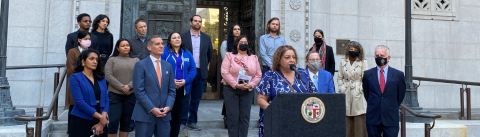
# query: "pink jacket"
x,y
231,66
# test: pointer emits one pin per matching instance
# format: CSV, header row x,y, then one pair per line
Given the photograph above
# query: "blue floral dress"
x,y
272,85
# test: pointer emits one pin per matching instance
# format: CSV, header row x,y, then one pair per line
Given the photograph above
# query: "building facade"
x,y
445,36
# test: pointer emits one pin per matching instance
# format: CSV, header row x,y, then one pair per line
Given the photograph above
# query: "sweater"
x,y
105,43
119,72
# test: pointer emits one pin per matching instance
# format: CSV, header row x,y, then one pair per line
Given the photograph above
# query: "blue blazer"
x,y
383,108
325,81
84,96
148,92
188,65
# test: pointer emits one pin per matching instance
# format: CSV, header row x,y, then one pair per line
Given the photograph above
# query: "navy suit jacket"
x,y
84,96
206,50
148,92
383,108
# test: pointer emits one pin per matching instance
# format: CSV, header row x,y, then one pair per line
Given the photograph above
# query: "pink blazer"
x,y
231,66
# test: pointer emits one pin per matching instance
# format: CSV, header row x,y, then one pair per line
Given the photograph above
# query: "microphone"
x,y
294,68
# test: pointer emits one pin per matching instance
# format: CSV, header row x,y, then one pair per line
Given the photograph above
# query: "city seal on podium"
x,y
313,110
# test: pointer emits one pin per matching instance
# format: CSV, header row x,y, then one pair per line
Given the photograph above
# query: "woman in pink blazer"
x,y
238,92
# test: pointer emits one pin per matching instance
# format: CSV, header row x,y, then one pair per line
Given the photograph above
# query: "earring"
x,y
83,64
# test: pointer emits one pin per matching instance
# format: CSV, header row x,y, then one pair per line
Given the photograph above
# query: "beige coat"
x,y
350,82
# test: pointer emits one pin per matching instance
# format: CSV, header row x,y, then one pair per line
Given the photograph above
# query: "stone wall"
x,y
37,33
441,49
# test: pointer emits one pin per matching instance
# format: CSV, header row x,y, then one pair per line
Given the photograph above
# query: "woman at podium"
x,y
281,78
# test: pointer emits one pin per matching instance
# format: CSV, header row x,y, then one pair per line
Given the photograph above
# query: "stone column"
x,y
7,110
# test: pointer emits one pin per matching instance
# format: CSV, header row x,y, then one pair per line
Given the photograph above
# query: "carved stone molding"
x,y
143,7
294,35
154,7
295,4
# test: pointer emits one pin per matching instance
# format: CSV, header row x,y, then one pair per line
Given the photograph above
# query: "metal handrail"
x,y
462,93
50,108
422,115
428,128
36,66
447,81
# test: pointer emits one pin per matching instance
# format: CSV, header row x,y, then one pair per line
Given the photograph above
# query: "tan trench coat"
x,y
350,82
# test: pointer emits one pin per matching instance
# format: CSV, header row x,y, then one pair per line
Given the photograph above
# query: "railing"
x,y
403,127
462,91
53,104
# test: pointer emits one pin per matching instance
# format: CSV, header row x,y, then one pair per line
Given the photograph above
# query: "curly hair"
x,y
277,56
235,50
97,20
98,72
230,39
267,30
357,46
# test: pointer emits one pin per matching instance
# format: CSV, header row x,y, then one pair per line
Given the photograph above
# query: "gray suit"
x,y
150,95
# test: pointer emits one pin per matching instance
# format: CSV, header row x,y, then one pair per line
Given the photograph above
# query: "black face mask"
x,y
353,54
318,41
243,47
381,61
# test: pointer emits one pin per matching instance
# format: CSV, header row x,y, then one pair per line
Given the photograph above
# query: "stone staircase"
x,y
211,123
210,120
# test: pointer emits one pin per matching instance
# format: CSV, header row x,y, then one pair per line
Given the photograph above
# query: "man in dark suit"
x,y
84,22
384,90
138,43
154,88
200,45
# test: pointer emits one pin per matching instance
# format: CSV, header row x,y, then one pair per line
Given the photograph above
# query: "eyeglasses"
x,y
87,21
314,60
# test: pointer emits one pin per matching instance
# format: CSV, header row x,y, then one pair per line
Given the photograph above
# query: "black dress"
x,y
83,127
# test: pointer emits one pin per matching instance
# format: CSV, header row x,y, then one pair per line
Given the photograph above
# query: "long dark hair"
x,y
98,72
169,44
97,20
116,52
235,50
230,39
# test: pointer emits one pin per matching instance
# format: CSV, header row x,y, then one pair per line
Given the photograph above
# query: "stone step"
x,y
252,132
214,132
62,125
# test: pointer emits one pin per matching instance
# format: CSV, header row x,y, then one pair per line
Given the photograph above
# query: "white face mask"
x,y
314,66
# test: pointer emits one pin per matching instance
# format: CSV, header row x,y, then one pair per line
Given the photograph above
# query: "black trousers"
x,y
177,112
83,127
70,108
381,130
238,104
120,113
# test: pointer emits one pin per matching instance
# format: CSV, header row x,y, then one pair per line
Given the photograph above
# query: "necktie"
x,y
159,73
382,80
315,80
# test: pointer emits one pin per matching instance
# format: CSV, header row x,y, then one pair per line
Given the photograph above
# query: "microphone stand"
x,y
294,68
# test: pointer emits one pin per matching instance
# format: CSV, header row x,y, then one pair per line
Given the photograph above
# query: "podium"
x,y
303,115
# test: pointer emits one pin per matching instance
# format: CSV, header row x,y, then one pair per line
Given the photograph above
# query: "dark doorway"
x,y
167,16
